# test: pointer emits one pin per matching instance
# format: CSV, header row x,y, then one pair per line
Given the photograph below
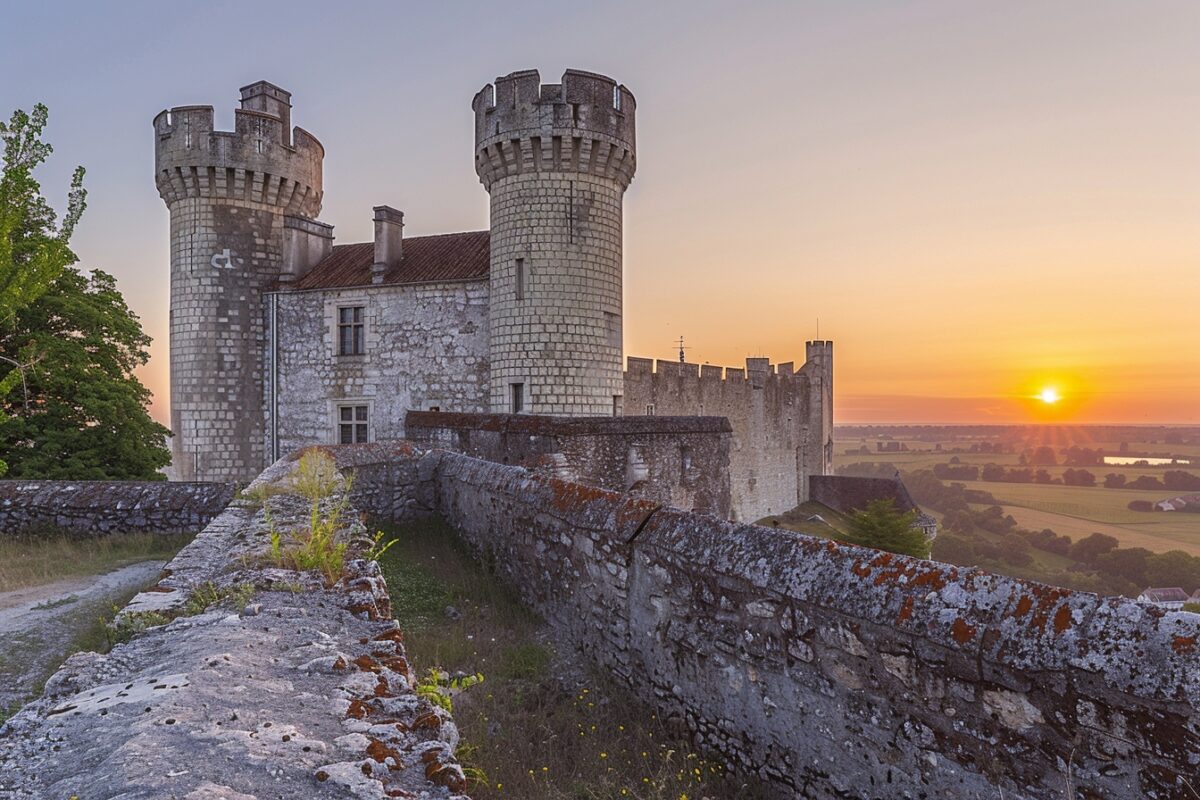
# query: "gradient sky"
x,y
976,200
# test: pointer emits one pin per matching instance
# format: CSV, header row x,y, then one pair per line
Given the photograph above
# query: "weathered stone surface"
x,y
304,692
677,461
837,671
782,420
98,507
825,669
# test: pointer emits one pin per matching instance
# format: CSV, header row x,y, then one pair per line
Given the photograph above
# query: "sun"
x,y
1049,395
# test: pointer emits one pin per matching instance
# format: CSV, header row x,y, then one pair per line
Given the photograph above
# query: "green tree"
x,y
884,527
34,249
1089,548
82,413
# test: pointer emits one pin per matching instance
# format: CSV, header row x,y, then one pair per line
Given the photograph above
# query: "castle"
x,y
281,339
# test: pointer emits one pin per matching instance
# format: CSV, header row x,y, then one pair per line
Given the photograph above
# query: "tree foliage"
x,y
884,527
83,414
33,248
70,406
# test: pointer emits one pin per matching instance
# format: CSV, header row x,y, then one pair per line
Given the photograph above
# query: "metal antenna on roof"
x,y
681,349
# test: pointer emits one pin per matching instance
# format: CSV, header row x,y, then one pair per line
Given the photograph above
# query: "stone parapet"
x,y
103,507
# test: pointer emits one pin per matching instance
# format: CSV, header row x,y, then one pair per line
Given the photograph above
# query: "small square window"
x,y
351,331
352,424
650,409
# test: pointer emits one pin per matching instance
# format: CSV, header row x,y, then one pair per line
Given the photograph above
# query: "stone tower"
x,y
556,160
237,200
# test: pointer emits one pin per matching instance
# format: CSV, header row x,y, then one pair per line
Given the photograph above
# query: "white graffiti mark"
x,y
224,256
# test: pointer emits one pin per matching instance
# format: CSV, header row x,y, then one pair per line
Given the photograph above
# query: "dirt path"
x,y
39,625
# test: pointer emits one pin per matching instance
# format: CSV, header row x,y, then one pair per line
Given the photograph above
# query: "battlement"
x,y
584,124
757,373
263,159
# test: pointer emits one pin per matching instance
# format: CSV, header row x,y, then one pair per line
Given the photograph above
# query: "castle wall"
x,y
426,346
836,671
782,424
101,507
847,493
291,692
677,461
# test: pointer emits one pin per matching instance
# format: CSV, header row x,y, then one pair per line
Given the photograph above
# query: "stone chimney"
x,y
389,241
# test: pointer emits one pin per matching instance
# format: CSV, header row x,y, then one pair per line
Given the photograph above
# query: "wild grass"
x,y
320,547
36,559
527,731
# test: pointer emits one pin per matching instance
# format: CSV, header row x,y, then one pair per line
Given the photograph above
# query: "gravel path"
x,y
39,624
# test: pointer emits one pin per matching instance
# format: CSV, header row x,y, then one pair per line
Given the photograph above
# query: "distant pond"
x,y
1125,461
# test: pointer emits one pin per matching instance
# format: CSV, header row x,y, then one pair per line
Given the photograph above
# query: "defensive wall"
x,y
782,420
101,507
830,671
677,461
846,493
289,687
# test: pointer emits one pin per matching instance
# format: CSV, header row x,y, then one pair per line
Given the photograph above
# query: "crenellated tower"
x,y
239,201
556,160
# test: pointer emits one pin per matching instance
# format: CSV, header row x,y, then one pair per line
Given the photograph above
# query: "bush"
x,y
884,527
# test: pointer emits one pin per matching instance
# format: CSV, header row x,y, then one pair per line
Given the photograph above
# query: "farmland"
x,y
1076,511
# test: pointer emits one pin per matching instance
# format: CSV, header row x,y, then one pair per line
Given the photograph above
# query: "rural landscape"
x,y
1109,509
672,401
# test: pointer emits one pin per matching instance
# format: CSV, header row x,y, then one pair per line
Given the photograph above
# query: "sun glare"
x,y
1049,395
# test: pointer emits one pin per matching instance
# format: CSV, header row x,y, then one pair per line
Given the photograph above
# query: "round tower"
x,y
556,160
228,193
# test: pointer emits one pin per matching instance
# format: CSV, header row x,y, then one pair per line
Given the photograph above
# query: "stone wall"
x,y
677,461
245,680
426,346
847,493
781,418
99,507
837,671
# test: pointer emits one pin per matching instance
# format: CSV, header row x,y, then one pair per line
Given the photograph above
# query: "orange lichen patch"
x,y
1183,644
397,664
392,634
381,753
369,609
357,709
881,560
339,663
861,570
321,775
367,664
906,610
382,688
573,496
160,589
962,631
426,720
1062,619
437,771
1023,606
1047,598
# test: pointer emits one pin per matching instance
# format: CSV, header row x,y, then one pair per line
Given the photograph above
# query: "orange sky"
x,y
976,200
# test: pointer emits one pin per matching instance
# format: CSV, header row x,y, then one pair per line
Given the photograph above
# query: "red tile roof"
x,y
448,257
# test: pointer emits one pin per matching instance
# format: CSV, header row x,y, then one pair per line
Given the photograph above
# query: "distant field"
x,y
1072,510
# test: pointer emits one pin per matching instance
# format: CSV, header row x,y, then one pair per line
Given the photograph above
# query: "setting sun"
x,y
1049,395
